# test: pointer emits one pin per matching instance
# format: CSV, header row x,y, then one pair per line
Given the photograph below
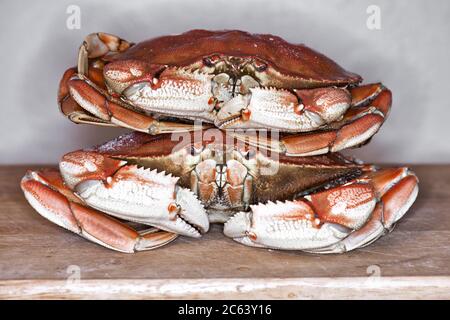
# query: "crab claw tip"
x,y
192,211
238,225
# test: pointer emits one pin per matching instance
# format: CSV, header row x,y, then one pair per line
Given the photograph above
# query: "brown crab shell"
x,y
296,63
295,175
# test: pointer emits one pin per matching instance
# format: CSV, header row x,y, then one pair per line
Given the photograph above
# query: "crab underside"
x,y
229,128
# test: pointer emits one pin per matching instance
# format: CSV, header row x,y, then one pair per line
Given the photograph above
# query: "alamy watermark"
x,y
73,21
373,21
374,273
74,275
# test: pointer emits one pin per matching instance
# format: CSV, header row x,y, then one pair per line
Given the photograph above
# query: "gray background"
x,y
410,54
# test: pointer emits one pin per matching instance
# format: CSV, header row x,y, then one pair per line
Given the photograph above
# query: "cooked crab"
x,y
273,176
231,79
320,204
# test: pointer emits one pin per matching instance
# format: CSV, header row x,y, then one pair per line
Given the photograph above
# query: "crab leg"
x,y
47,194
338,219
70,108
84,98
112,110
369,109
133,193
397,189
359,124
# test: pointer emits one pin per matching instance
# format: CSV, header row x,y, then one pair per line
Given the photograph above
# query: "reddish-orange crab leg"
x,y
70,108
99,45
396,189
338,219
48,195
133,193
369,109
112,110
84,98
370,106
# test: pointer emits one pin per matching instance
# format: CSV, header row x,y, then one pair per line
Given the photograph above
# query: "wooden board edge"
x,y
267,288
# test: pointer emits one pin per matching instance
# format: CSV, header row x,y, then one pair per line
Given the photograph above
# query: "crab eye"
x,y
194,151
211,60
259,66
250,154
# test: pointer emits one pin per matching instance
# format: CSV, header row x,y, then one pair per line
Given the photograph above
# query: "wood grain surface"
x,y
40,260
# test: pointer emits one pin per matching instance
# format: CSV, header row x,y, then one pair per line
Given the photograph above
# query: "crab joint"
x,y
298,109
245,114
259,66
251,235
173,209
155,83
214,102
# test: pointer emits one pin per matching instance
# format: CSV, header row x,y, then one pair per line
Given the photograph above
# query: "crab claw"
x,y
51,198
191,210
134,193
283,225
121,74
297,111
334,220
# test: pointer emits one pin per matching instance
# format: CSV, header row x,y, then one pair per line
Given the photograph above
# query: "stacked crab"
x,y
228,127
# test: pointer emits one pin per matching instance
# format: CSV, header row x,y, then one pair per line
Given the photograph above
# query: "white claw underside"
x,y
189,202
268,106
181,98
275,109
274,229
194,95
144,198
